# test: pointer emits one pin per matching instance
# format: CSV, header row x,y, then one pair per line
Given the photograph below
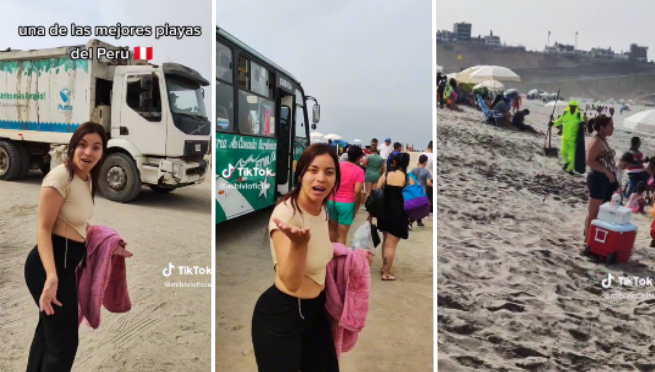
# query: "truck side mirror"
x,y
317,114
145,101
146,82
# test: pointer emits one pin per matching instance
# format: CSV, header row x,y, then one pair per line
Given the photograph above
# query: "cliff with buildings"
x,y
579,75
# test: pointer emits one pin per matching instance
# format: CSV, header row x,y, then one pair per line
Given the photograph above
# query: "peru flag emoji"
x,y
144,53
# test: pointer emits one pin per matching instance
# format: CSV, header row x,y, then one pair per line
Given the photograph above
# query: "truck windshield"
x,y
185,97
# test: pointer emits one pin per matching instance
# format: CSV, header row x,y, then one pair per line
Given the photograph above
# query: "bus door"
x,y
284,142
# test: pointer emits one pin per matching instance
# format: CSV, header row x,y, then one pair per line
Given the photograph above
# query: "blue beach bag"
x,y
417,204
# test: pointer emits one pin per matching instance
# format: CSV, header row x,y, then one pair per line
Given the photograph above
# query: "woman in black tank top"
x,y
602,178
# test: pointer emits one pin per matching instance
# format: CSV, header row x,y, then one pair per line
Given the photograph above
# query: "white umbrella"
x,y
357,141
490,84
317,135
464,76
559,103
333,136
439,68
494,73
641,122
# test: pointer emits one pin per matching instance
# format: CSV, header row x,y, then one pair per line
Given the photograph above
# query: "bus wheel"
x,y
119,178
10,161
161,190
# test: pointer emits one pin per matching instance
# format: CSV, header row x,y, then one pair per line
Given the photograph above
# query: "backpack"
x,y
417,204
374,204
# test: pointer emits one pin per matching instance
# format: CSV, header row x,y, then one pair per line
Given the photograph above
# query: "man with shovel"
x,y
570,125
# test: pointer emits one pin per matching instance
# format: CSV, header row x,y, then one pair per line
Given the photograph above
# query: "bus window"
x,y
256,115
301,126
243,73
224,107
259,80
223,63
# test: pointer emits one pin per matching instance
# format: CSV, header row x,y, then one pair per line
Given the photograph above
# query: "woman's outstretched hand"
x,y
297,235
49,296
122,252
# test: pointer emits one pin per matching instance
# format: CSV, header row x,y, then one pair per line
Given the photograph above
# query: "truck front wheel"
x,y
119,178
11,164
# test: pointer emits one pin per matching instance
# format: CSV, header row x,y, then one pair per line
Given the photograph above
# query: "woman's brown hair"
x,y
595,124
306,159
80,132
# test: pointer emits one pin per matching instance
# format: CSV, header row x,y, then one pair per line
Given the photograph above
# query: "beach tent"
x,y
498,73
316,135
533,92
642,122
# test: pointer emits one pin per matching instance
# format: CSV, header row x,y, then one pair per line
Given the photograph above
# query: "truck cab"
x,y
159,118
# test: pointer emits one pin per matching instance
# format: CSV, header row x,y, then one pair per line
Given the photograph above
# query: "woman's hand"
x,y
611,176
122,252
297,236
369,258
49,296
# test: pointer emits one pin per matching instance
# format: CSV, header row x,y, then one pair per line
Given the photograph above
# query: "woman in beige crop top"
x,y
290,326
65,208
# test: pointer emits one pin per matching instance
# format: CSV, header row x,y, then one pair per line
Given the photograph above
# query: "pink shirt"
x,y
351,175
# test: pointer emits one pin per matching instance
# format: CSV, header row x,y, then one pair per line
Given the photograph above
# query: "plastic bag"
x,y
363,238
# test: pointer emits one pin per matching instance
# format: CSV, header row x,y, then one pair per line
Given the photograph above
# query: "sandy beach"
x,y
168,329
514,292
398,335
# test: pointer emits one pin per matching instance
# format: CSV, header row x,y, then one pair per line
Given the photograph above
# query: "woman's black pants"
x,y
56,337
285,342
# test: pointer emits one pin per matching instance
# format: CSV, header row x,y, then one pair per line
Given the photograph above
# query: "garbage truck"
x,y
154,115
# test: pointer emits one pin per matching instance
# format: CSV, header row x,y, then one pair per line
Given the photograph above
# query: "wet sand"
x,y
514,292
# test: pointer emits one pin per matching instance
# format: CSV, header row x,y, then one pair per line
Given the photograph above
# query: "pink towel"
x,y
347,288
103,282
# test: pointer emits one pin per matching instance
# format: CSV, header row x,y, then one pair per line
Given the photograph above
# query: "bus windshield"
x,y
185,97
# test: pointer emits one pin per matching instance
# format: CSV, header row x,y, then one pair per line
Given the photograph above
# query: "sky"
x,y
600,23
368,63
194,52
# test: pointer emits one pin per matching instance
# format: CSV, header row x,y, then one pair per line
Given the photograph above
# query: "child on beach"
x,y
637,203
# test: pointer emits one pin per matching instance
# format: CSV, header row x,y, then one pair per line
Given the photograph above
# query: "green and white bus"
x,y
261,128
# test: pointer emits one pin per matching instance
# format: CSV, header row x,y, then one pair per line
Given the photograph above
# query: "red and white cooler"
x,y
613,241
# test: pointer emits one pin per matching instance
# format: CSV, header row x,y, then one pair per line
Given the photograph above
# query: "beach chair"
x,y
489,115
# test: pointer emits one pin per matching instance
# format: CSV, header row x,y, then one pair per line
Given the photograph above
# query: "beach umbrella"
x,y
316,135
641,122
357,141
559,103
439,68
511,91
464,76
333,137
490,84
494,73
533,91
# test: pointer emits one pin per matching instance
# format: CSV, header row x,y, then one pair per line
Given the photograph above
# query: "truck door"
x,y
284,143
142,118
